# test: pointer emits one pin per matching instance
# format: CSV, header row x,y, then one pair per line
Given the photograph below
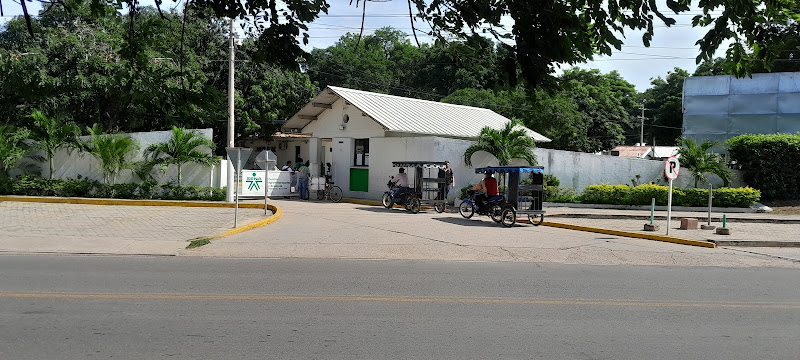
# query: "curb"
x,y
664,238
662,217
128,202
277,212
748,243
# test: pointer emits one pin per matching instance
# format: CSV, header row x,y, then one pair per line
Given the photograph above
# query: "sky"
x,y
670,48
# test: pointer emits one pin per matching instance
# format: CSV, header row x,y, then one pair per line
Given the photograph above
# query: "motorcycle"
x,y
406,197
493,206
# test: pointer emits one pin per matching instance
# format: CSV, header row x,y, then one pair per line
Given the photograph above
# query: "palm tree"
x,y
181,149
697,159
113,151
12,147
512,142
51,134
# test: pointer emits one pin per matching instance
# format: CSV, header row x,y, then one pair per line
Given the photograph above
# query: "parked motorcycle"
x,y
406,197
493,206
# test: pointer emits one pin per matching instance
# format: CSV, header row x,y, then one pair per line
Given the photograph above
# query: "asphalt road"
x,y
78,307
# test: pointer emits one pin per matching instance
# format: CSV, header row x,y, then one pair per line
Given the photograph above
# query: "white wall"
x,y
579,170
70,164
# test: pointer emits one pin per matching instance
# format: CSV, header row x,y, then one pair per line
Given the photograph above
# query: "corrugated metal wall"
x,y
721,107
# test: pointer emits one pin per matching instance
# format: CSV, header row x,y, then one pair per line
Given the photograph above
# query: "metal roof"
x,y
407,115
510,169
420,164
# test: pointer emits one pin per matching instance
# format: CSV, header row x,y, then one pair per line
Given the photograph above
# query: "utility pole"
x,y
641,129
231,185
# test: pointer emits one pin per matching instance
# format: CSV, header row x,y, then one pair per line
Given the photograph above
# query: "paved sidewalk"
x,y
751,229
355,231
32,227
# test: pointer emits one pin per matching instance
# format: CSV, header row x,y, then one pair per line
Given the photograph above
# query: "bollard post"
x,y
652,210
710,189
724,221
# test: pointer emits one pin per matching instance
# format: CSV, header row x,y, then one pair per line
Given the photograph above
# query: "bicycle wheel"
x,y
466,209
439,207
386,200
536,219
496,212
320,194
336,194
508,217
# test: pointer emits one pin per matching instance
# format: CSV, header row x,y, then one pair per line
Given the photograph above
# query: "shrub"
x,y
643,195
769,163
35,186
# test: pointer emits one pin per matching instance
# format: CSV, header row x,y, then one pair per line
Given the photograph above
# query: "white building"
x,y
361,133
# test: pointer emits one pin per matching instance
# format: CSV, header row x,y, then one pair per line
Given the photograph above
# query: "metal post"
x,y
724,221
238,178
266,185
230,193
669,206
709,203
652,210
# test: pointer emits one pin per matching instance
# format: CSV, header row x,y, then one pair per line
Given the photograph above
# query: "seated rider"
x,y
487,189
401,179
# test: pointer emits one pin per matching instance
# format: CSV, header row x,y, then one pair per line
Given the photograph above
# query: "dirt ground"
x,y
784,207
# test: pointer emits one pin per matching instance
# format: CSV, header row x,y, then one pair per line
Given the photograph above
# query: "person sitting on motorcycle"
x,y
401,179
487,189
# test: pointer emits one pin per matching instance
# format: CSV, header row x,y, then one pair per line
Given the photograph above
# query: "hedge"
x,y
769,163
642,195
36,186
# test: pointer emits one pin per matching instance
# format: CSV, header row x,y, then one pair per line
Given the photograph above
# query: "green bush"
x,y
769,163
35,186
643,195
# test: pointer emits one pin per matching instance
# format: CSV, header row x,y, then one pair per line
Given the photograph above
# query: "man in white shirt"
x,y
401,179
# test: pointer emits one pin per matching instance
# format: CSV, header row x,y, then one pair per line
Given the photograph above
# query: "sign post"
x,y
235,155
671,169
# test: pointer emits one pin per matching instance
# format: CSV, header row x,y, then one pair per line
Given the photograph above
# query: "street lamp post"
x,y
231,185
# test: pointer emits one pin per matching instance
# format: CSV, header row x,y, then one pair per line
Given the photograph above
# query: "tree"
x,y
511,142
13,147
697,159
179,150
51,134
544,34
665,101
113,151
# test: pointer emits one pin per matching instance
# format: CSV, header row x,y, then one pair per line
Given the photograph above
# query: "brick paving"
x,y
113,229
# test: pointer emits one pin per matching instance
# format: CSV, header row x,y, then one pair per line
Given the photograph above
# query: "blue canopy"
x,y
510,169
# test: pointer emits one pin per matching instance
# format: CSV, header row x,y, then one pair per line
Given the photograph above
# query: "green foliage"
x,y
180,149
12,147
512,142
113,151
643,195
769,163
697,159
198,242
51,134
36,186
665,103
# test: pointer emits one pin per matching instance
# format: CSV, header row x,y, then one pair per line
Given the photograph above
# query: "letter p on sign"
x,y
672,168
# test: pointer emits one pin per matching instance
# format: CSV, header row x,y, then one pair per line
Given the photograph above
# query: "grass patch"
x,y
198,242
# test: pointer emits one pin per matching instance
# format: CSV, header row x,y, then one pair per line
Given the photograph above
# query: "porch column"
x,y
314,155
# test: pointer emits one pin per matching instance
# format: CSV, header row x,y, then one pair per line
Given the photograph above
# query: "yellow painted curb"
x,y
669,239
277,212
128,202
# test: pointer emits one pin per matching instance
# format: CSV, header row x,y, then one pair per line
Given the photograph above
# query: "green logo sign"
x,y
254,182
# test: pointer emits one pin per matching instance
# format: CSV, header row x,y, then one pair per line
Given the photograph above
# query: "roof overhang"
x,y
311,111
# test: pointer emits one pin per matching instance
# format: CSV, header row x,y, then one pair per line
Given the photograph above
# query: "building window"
x,y
361,154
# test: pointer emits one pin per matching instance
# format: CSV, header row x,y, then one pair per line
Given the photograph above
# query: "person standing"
x,y
302,180
449,179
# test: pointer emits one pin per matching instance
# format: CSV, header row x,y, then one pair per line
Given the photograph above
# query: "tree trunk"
x,y
52,166
179,174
